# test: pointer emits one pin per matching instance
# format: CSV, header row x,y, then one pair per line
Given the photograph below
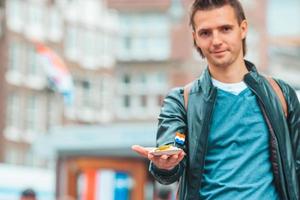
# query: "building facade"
x,y
155,54
74,30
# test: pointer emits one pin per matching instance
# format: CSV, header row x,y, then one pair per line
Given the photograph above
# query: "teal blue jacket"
x,y
194,123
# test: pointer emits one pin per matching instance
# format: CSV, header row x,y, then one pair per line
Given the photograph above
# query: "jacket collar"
x,y
205,83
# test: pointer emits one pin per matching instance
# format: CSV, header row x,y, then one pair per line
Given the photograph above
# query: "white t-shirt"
x,y
234,88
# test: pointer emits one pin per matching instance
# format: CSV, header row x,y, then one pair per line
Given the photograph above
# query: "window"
x,y
71,42
106,45
93,98
105,92
15,57
33,63
143,101
126,79
144,37
141,94
13,114
32,115
55,25
15,15
35,17
126,101
35,20
97,48
157,82
86,94
141,82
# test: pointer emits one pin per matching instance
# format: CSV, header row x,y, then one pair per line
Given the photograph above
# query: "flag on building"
x,y
59,77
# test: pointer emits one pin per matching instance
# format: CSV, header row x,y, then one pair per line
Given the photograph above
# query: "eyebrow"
x,y
208,29
203,30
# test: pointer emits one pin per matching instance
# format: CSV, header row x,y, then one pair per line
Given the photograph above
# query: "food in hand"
x,y
165,150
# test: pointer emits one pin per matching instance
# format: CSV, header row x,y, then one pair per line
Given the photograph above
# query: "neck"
x,y
232,73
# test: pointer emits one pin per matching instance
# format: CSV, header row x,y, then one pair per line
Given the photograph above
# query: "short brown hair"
x,y
212,4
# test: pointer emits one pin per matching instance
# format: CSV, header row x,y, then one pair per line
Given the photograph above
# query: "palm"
x,y
164,161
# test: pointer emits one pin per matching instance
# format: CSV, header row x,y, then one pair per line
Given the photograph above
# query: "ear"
x,y
244,28
194,37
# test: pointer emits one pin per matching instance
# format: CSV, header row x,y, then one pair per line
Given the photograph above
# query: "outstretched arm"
x,y
172,120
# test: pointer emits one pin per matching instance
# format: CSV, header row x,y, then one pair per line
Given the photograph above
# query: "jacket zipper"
x,y
273,135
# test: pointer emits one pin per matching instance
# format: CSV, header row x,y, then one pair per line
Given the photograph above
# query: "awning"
x,y
113,139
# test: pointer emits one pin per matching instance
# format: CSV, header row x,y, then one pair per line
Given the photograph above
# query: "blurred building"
x,y
123,56
155,47
122,65
2,72
274,38
257,42
284,40
77,31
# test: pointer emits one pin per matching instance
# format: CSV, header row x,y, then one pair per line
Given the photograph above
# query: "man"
x,y
28,194
238,143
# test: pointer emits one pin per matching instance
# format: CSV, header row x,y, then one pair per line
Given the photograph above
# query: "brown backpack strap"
x,y
279,94
186,92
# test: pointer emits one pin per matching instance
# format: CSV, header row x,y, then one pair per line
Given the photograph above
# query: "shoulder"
x,y
177,91
285,87
288,91
174,95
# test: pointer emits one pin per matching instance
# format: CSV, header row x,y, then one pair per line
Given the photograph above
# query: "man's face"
x,y
219,35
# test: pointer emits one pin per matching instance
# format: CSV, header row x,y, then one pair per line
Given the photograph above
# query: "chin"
x,y
220,62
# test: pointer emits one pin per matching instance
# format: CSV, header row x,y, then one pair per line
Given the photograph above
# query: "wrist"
x,y
166,171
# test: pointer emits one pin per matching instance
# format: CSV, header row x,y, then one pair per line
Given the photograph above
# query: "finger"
x,y
164,157
150,156
163,164
164,160
160,160
181,154
140,150
173,158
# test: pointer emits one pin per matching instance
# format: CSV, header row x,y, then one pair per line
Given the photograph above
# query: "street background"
x,y
83,80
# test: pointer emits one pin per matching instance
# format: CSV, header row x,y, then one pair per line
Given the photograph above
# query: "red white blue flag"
x,y
103,184
179,138
58,74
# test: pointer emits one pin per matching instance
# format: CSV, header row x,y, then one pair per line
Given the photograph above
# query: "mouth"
x,y
218,53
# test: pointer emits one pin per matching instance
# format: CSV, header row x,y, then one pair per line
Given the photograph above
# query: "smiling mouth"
x,y
218,52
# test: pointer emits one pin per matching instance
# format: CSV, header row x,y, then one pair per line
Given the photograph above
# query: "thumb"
x,y
140,150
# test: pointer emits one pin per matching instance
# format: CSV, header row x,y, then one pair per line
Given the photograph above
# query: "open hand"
x,y
166,162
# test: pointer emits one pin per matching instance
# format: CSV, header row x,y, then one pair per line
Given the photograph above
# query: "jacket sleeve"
x,y
172,119
293,122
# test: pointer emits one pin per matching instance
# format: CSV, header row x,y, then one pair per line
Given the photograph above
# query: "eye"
x,y
204,34
226,29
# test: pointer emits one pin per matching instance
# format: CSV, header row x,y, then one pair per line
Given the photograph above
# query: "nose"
x,y
216,40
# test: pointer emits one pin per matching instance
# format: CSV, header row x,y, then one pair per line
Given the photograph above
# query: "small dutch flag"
x,y
179,138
